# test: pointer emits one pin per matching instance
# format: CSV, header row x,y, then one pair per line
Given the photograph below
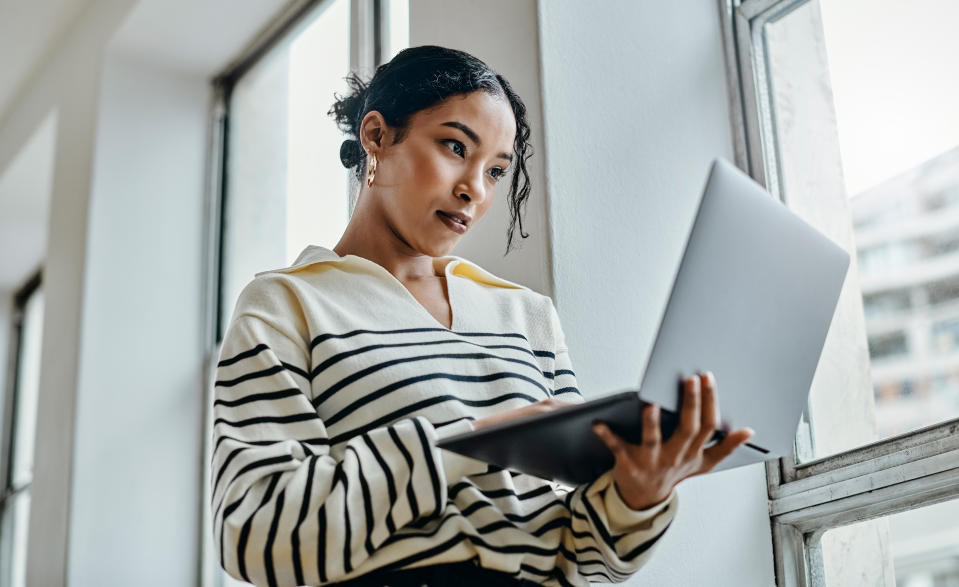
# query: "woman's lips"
x,y
451,224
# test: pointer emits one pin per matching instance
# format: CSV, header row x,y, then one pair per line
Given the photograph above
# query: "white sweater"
x,y
332,388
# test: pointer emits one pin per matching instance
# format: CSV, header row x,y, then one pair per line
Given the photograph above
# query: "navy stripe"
x,y
352,378
251,443
367,501
256,397
267,419
388,475
421,405
248,526
341,480
295,536
410,495
324,337
321,543
430,465
334,359
370,397
271,538
243,355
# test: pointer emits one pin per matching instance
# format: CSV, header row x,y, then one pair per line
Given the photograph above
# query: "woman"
x,y
338,375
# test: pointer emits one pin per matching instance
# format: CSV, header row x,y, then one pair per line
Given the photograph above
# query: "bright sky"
x,y
895,79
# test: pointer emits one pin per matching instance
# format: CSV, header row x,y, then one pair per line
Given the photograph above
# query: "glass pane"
x,y
28,384
862,110
286,187
13,540
916,548
399,16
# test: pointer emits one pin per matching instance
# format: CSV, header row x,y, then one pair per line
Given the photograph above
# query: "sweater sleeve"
x,y
286,512
610,540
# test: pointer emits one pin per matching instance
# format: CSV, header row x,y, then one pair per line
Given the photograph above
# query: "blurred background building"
x,y
907,240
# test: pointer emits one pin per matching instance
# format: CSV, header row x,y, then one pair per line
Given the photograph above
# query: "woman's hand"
x,y
645,474
546,405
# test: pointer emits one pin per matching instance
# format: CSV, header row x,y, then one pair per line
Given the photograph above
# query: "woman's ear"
x,y
373,131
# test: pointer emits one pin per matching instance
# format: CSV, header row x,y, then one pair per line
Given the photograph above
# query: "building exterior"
x,y
907,240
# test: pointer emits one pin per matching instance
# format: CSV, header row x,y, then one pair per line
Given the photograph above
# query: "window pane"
x,y
13,540
862,107
28,382
916,548
286,187
399,17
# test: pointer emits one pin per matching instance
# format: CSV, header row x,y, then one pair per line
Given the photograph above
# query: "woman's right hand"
x,y
546,405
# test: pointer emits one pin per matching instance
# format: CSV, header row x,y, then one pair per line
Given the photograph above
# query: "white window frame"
x,y
8,411
369,40
806,499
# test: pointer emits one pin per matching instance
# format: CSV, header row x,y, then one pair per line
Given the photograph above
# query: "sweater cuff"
x,y
455,465
624,519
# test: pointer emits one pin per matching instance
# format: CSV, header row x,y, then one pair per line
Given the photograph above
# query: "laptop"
x,y
752,301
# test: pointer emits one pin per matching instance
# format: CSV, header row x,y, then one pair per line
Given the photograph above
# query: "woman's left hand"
x,y
645,474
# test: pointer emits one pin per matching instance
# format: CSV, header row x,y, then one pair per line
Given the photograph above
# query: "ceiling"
x,y
28,33
195,37
24,205
191,36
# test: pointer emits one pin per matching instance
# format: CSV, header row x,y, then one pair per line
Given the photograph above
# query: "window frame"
x,y
10,398
889,476
369,40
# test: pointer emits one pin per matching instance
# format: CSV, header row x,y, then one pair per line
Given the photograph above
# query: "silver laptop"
x,y
752,302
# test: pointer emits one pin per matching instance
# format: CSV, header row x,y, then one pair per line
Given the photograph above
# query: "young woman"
x,y
339,374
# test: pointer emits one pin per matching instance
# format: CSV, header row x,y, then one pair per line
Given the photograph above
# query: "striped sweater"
x,y
332,388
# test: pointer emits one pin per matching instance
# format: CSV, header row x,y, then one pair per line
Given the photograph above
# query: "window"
x,y
888,345
922,549
18,429
281,184
844,110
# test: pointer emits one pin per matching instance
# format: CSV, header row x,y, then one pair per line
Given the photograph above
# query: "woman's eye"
x,y
500,172
455,143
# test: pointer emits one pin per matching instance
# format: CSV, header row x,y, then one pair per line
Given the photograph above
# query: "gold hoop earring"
x,y
372,171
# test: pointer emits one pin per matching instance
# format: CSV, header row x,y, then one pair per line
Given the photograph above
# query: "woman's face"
x,y
448,164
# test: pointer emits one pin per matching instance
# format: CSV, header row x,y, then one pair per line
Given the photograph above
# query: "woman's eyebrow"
x,y
474,137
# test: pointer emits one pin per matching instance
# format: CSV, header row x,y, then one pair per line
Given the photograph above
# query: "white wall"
x,y
636,107
139,421
67,83
137,493
6,324
503,33
116,496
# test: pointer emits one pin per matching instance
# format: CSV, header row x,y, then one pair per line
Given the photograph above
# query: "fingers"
x,y
652,436
710,409
714,454
616,445
689,415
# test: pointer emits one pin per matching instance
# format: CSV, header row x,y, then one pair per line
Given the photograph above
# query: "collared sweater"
x,y
332,388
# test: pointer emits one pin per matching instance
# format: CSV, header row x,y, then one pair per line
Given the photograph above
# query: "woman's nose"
x,y
471,190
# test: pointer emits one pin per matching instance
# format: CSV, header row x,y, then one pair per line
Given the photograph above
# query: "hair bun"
x,y
351,153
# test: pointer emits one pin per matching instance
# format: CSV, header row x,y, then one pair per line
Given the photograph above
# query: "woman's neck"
x,y
376,241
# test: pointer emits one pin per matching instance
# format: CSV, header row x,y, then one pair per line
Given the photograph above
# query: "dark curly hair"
x,y
416,79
